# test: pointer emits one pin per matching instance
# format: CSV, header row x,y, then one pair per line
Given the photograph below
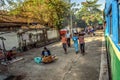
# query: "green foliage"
x,y
90,12
46,12
54,13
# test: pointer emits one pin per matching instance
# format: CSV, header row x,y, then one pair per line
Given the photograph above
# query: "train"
x,y
112,37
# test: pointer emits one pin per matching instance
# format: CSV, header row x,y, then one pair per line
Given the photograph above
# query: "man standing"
x,y
68,36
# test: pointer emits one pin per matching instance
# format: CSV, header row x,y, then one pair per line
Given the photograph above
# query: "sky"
x,y
99,2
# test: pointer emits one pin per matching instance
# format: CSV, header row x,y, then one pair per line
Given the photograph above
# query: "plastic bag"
x,y
38,60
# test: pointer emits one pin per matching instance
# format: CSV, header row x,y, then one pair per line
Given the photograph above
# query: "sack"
x,y
47,59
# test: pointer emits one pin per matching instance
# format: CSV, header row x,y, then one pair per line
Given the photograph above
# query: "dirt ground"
x,y
68,67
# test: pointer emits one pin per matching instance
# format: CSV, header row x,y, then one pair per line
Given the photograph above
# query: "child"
x,y
64,43
82,43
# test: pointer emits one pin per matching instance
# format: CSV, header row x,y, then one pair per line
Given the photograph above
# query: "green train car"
x,y
112,37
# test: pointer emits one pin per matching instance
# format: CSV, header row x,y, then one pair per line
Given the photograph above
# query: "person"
x,y
64,43
14,52
93,31
68,36
82,43
104,26
89,29
9,55
86,29
46,56
75,40
46,52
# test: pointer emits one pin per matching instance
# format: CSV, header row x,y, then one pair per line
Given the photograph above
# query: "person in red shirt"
x,y
82,43
9,55
64,43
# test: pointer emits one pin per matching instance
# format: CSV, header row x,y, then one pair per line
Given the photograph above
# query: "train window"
x,y
110,22
119,23
118,1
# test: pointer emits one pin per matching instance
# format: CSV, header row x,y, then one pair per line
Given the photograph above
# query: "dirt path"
x,y
68,67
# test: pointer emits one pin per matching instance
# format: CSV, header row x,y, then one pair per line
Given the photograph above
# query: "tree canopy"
x,y
54,13
46,12
90,12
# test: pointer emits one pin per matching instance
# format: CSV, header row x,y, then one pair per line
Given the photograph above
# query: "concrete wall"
x,y
52,34
11,40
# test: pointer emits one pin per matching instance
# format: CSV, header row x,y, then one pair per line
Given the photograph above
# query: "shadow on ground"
x,y
68,67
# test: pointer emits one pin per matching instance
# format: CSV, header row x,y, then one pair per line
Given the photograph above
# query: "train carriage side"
x,y
112,36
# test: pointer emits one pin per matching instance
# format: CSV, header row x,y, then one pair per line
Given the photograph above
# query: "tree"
x,y
90,12
46,12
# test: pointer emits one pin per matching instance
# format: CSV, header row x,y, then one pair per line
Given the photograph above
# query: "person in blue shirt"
x,y
46,52
75,40
47,57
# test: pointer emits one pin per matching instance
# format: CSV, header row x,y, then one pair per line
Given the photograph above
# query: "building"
x,y
8,22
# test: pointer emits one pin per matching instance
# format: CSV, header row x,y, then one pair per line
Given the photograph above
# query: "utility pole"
x,y
70,18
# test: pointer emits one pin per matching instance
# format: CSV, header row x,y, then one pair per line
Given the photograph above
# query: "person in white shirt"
x,y
68,36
